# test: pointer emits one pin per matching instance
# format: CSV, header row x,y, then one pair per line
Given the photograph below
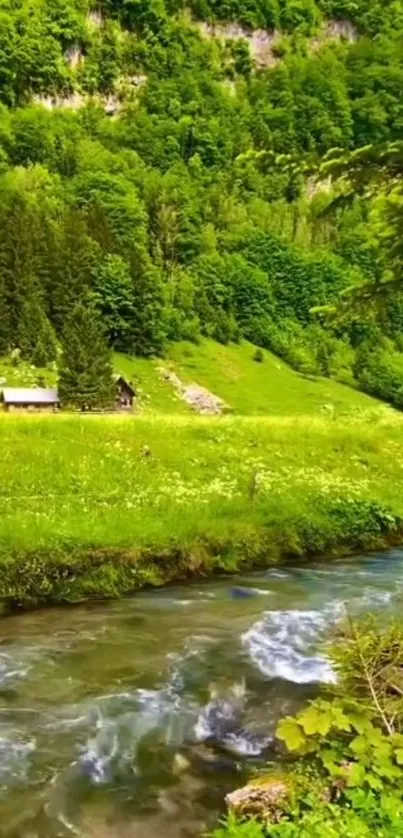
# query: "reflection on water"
x,y
136,717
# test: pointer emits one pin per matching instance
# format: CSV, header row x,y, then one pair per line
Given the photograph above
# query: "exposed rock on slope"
x,y
199,398
261,42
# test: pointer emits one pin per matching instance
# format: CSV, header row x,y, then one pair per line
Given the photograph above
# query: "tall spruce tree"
x,y
5,319
85,370
36,337
73,259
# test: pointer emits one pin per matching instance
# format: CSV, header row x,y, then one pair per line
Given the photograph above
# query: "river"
x,y
136,717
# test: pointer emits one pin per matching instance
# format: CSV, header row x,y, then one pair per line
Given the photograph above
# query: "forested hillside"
x,y
160,163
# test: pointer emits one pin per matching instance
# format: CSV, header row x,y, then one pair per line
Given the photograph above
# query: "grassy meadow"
x,y
93,505
102,505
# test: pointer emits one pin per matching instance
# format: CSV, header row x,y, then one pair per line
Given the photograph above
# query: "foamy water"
x,y
283,644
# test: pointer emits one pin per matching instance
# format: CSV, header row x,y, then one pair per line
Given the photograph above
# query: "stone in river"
x,y
242,593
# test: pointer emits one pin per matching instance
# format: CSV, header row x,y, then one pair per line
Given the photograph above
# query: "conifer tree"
x,y
72,264
5,320
85,370
40,356
36,338
147,326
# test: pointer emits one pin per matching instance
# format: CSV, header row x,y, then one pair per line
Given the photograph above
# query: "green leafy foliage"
x,y
380,373
113,296
232,828
258,356
348,772
166,170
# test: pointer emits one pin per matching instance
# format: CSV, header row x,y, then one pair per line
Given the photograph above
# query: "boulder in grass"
x,y
266,799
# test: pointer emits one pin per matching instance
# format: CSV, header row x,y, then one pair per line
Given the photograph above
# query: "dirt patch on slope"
x,y
200,399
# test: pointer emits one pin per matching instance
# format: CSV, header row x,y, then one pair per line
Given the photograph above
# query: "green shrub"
x,y
380,373
232,828
348,775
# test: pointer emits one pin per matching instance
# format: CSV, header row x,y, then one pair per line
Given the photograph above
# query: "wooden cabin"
x,y
125,394
34,398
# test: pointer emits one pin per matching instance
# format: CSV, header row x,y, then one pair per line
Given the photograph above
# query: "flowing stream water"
x,y
134,718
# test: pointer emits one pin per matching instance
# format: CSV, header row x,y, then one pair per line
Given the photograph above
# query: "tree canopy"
x,y
173,166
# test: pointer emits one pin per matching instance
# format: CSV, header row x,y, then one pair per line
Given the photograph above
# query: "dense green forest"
x,y
160,164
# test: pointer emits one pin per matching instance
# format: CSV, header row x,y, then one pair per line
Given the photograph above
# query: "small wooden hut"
x,y
125,394
32,398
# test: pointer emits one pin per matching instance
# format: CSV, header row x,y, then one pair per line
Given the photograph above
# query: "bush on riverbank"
x,y
97,506
348,777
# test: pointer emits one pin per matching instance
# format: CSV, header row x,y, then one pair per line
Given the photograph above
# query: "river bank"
x,y
101,506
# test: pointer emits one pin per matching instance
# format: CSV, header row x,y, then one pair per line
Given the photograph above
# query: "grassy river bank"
x,y
102,506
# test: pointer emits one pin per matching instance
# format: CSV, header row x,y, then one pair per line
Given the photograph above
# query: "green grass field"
x,y
101,505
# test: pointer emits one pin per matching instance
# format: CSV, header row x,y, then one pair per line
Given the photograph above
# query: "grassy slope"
x,y
155,394
25,375
270,388
249,388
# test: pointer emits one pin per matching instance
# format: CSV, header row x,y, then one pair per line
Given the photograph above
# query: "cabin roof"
x,y
32,395
123,382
